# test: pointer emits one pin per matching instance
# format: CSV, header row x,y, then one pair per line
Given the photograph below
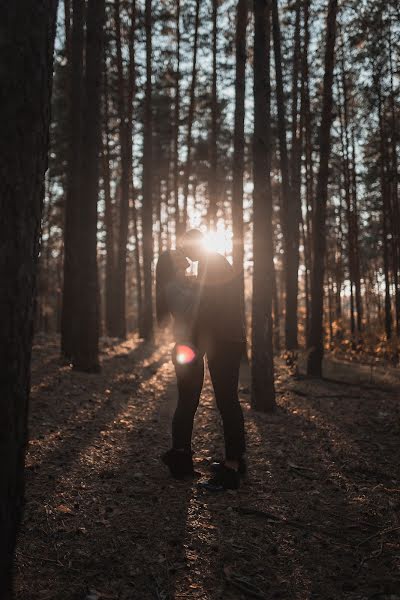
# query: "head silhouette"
x,y
192,244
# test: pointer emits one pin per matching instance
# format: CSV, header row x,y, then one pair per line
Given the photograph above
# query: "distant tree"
x,y
316,341
26,65
148,182
71,293
262,361
86,354
239,145
189,139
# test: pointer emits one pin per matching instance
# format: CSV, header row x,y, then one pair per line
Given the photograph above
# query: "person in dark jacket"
x,y
219,333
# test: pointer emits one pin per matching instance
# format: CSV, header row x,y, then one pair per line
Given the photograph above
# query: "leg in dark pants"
x,y
190,382
224,364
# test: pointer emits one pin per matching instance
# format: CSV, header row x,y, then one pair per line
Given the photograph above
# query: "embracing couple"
x,y
207,321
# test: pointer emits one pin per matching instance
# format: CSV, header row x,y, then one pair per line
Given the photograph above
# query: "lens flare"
x,y
184,355
218,241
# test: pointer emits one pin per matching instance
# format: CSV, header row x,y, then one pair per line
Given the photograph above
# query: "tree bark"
x,y
288,208
148,183
177,111
188,166
86,356
238,148
213,183
71,290
316,343
27,39
262,364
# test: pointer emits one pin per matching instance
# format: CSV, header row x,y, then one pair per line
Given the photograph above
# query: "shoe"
x,y
242,470
179,462
224,479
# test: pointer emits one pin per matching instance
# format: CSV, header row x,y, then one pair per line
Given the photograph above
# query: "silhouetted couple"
x,y
207,321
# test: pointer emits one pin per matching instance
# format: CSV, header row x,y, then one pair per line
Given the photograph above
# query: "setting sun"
x,y
218,241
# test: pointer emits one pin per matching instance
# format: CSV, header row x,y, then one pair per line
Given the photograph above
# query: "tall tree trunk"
x,y
238,149
120,329
294,208
71,290
308,154
394,189
177,112
385,214
148,183
27,40
132,190
355,228
213,182
108,222
316,343
288,208
262,363
87,352
188,166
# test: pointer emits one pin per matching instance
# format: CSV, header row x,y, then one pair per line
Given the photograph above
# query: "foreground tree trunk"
x,y
70,299
148,185
27,39
262,363
315,342
238,147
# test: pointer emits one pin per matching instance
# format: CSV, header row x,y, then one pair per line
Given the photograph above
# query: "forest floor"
x,y
318,517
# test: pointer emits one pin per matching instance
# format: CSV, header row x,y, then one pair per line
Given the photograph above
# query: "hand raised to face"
x,y
180,261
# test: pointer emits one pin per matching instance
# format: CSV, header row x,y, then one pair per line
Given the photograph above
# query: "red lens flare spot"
x,y
184,354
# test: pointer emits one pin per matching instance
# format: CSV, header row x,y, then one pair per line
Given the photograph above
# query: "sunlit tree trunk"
x,y
148,183
315,342
86,357
262,360
27,39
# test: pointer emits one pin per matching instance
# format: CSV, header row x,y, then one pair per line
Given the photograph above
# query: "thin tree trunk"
x,y
148,183
87,352
289,211
27,38
238,149
294,209
132,190
110,287
188,166
357,267
120,330
177,110
213,183
262,363
394,191
316,343
385,212
71,291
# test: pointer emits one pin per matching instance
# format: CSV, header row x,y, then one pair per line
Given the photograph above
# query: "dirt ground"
x,y
318,517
